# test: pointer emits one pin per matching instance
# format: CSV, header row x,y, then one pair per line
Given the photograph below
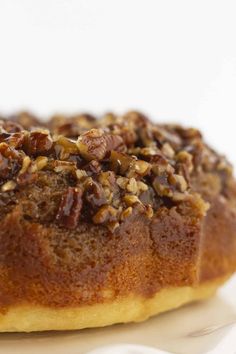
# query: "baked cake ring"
x,y
109,220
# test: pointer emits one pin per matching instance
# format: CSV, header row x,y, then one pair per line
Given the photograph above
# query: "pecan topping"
x,y
112,167
70,207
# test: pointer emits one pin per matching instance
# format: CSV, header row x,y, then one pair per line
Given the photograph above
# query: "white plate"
x,y
204,327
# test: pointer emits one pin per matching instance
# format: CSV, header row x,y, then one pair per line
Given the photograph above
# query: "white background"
x,y
173,59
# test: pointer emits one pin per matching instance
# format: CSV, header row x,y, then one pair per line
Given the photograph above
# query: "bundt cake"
x,y
109,220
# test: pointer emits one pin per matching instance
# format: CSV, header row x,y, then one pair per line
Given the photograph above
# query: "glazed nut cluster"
x,y
113,166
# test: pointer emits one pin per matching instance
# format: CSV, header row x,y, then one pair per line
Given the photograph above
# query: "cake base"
x,y
26,318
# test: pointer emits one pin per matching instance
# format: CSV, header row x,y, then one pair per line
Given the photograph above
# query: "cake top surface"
x,y
100,170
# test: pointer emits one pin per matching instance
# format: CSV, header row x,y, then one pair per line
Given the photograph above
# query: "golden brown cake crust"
x,y
93,211
133,308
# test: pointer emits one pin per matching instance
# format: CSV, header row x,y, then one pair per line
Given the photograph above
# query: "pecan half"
x,y
96,144
38,143
70,207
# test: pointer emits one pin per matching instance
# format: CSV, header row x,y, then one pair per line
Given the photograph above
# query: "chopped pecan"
x,y
40,162
120,162
179,182
8,186
130,166
11,127
64,147
95,144
16,140
63,166
130,199
38,143
69,129
107,179
26,120
162,186
81,174
10,161
136,119
70,207
146,136
94,195
26,178
122,182
93,167
160,165
126,213
27,173
142,168
114,142
166,134
129,136
148,211
106,214
168,151
189,133
132,186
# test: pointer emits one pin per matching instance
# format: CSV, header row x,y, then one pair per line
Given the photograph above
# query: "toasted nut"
x,y
126,213
41,162
92,145
108,194
131,199
8,186
25,165
185,158
16,140
122,182
142,187
107,178
132,186
69,146
181,183
120,162
38,142
105,214
113,225
149,151
179,197
149,211
168,151
61,166
81,173
162,186
142,167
